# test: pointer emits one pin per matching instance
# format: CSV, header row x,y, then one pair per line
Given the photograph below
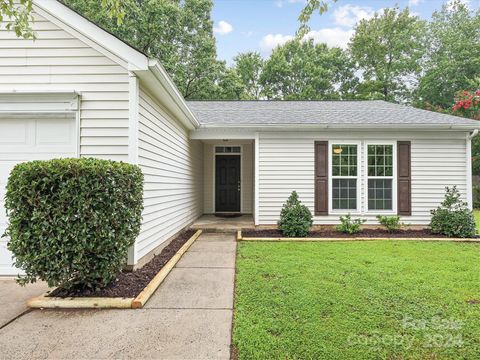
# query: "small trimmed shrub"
x,y
349,226
295,218
391,223
453,218
72,220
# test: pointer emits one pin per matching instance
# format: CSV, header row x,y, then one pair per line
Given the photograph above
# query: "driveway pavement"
x,y
189,317
14,297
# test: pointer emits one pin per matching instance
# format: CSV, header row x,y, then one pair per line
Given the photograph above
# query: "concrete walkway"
x,y
14,297
189,317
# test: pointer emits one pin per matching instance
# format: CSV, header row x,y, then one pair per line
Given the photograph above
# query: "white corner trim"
x,y
133,125
90,33
468,161
257,179
133,117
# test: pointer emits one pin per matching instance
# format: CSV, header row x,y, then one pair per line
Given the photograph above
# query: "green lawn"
x,y
476,212
357,300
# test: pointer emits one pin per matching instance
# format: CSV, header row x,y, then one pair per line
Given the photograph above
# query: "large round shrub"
x,y
295,218
71,221
453,218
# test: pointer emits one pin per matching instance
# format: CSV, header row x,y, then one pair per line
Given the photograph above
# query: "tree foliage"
x,y
302,70
178,33
453,55
311,6
249,67
18,15
388,49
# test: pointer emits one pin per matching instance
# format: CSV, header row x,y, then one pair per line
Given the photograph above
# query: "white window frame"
x,y
393,178
358,177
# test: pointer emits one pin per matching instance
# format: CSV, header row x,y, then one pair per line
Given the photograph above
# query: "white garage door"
x,y
25,139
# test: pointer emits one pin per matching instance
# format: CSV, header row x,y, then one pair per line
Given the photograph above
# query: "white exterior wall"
x,y
246,176
286,163
173,168
58,61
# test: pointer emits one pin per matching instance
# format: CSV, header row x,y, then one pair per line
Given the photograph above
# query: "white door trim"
x,y
214,205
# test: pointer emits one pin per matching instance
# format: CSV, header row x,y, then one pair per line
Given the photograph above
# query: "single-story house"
x,y
78,91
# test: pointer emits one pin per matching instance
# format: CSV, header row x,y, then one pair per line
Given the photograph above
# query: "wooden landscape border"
x,y
45,302
359,238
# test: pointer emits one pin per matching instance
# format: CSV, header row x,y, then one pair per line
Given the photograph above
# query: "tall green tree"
x,y
453,59
249,67
229,85
388,49
303,70
177,32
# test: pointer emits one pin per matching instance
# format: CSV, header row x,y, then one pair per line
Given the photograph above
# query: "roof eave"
x,y
59,12
167,91
299,127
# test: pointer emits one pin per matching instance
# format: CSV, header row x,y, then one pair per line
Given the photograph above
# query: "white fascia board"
x,y
360,127
93,35
222,133
162,87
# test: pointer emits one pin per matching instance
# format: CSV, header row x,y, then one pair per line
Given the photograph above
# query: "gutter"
x,y
473,134
380,127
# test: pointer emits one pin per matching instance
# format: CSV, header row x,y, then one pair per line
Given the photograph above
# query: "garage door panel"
x,y
25,140
54,133
13,132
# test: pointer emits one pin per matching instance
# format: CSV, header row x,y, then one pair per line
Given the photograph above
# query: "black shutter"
x,y
321,178
404,183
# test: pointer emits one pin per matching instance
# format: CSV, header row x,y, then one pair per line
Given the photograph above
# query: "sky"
x,y
261,25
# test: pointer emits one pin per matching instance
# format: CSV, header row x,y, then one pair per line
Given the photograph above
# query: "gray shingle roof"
x,y
267,113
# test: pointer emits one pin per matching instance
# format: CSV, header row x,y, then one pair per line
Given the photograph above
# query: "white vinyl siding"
x,y
173,168
58,61
246,174
286,163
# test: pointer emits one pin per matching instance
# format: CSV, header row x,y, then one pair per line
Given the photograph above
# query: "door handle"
x,y
239,187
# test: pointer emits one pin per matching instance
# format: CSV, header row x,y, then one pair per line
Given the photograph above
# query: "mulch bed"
x,y
330,233
129,284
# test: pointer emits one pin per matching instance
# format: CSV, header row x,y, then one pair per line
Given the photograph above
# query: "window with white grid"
x,y
344,160
380,176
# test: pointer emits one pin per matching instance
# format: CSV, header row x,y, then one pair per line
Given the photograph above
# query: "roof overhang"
x,y
149,71
159,83
247,131
93,35
373,126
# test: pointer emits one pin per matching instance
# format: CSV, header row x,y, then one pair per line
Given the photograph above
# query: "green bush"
x,y
453,218
349,226
295,218
476,197
71,221
391,223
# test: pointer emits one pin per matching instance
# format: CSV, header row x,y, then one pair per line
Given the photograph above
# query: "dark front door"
x,y
227,183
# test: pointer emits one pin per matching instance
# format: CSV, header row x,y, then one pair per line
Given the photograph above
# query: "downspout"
x,y
473,134
468,160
